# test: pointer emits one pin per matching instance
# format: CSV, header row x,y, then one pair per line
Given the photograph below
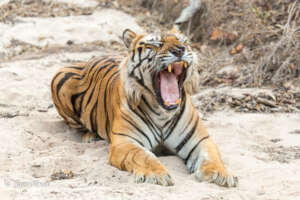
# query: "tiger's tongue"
x,y
169,87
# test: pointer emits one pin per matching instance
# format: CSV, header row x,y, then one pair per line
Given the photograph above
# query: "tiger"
x,y
139,103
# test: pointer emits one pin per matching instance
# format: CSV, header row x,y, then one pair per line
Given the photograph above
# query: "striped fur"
x,y
116,100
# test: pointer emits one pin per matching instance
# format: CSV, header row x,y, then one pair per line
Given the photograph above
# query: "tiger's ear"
x,y
128,37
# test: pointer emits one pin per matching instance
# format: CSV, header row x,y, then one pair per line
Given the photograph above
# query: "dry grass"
x,y
271,40
267,29
281,63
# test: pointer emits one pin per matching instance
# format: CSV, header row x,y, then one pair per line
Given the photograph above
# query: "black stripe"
x,y
102,78
144,120
190,121
139,81
54,78
142,78
94,128
73,101
91,117
63,80
95,64
140,49
187,136
175,121
81,100
192,150
91,66
139,64
142,84
75,67
123,134
150,108
148,121
94,108
107,122
168,122
97,73
56,75
96,122
139,130
132,57
112,85
93,123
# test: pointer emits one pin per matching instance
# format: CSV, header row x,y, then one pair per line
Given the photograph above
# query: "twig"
x,y
188,12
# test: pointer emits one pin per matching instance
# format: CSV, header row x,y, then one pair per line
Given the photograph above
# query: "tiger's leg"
x,y
127,154
200,153
89,137
206,162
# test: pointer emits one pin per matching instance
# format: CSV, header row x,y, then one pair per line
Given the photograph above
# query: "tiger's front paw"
x,y
160,177
218,176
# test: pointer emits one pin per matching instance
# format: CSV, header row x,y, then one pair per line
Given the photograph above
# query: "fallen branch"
x,y
265,102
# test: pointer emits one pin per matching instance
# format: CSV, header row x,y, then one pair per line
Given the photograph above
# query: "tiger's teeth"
x,y
170,68
178,101
185,64
166,103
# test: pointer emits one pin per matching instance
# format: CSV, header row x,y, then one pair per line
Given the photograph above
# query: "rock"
x,y
228,72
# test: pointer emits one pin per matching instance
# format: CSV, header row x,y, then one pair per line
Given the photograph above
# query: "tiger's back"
x,y
78,91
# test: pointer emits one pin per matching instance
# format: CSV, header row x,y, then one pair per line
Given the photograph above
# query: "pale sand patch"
x,y
80,3
103,25
3,2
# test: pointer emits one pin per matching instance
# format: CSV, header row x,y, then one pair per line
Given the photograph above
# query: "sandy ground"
x,y
261,149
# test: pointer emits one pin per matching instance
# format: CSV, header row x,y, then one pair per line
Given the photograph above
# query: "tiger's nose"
x,y
177,51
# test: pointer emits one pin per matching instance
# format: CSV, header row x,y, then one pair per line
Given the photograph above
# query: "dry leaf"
x,y
237,49
220,35
233,51
216,35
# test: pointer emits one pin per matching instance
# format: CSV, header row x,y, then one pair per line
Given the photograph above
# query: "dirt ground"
x,y
256,129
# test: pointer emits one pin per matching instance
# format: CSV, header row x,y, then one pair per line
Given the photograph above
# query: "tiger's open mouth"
x,y
168,84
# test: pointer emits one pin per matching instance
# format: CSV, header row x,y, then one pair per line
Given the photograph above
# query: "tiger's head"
x,y
160,66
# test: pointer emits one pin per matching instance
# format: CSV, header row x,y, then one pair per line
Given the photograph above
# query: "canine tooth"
x,y
178,101
170,68
166,103
185,64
